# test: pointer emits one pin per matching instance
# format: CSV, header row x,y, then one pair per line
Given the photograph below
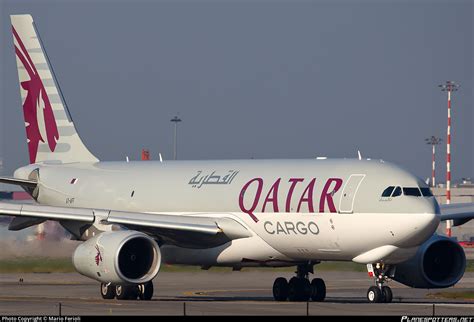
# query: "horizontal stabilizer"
x,y
19,182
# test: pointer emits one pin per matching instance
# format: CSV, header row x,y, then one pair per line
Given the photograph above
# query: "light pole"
x,y
433,141
449,87
175,119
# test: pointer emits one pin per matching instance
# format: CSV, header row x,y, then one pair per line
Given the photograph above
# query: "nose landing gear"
x,y
299,288
379,293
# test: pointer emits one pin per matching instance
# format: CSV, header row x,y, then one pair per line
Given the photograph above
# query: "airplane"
x,y
134,216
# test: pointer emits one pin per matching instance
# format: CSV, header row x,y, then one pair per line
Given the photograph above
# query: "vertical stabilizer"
x,y
50,132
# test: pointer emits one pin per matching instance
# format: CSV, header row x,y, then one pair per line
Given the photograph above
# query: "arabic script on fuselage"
x,y
201,179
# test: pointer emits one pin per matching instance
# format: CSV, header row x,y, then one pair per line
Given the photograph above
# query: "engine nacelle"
x,y
439,262
119,257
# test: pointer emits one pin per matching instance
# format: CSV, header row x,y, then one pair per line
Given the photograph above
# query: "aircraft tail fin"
x,y
50,131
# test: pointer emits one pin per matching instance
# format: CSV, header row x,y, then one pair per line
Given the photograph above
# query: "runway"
x,y
219,293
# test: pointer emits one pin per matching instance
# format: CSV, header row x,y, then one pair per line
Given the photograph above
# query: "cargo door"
x,y
346,203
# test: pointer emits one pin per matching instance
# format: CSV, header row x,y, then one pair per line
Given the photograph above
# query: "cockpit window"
x,y
393,191
387,192
412,192
397,192
426,192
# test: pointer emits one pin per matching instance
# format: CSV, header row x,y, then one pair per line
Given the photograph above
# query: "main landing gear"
x,y
299,288
379,293
127,292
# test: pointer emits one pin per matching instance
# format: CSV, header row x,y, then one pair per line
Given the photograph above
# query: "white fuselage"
x,y
296,210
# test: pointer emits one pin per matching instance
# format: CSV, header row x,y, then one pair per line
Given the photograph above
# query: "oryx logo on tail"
x,y
38,113
50,131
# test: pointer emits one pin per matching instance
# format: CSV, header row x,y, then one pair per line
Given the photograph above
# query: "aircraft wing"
x,y
197,230
459,213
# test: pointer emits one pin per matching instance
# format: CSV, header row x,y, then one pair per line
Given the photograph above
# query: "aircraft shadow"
x,y
333,300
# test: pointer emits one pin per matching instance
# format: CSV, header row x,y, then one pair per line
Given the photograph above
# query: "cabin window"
x,y
426,192
415,192
387,192
397,192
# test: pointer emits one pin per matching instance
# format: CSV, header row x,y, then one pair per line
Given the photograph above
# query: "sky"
x,y
254,79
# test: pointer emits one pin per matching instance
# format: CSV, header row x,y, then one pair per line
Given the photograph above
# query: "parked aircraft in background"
x,y
134,216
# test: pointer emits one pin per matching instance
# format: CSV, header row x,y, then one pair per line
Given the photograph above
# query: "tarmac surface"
x,y
220,293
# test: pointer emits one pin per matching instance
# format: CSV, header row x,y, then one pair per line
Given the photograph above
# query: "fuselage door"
x,y
346,203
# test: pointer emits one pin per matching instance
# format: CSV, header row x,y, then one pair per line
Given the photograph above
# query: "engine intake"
x,y
439,263
136,258
122,257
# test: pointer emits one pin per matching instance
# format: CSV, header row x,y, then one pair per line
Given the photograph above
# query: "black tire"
x,y
299,289
374,295
280,289
305,290
133,292
120,292
318,290
126,292
293,290
387,294
107,291
145,291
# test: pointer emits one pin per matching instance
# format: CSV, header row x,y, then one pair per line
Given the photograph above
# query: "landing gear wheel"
x,y
381,273
299,289
107,291
318,290
280,289
120,292
126,292
306,290
145,291
374,295
387,294
134,292
293,289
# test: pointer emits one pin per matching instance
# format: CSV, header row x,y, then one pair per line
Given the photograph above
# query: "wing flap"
x,y
171,222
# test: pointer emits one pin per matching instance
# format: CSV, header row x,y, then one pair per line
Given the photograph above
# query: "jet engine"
x,y
439,262
118,257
